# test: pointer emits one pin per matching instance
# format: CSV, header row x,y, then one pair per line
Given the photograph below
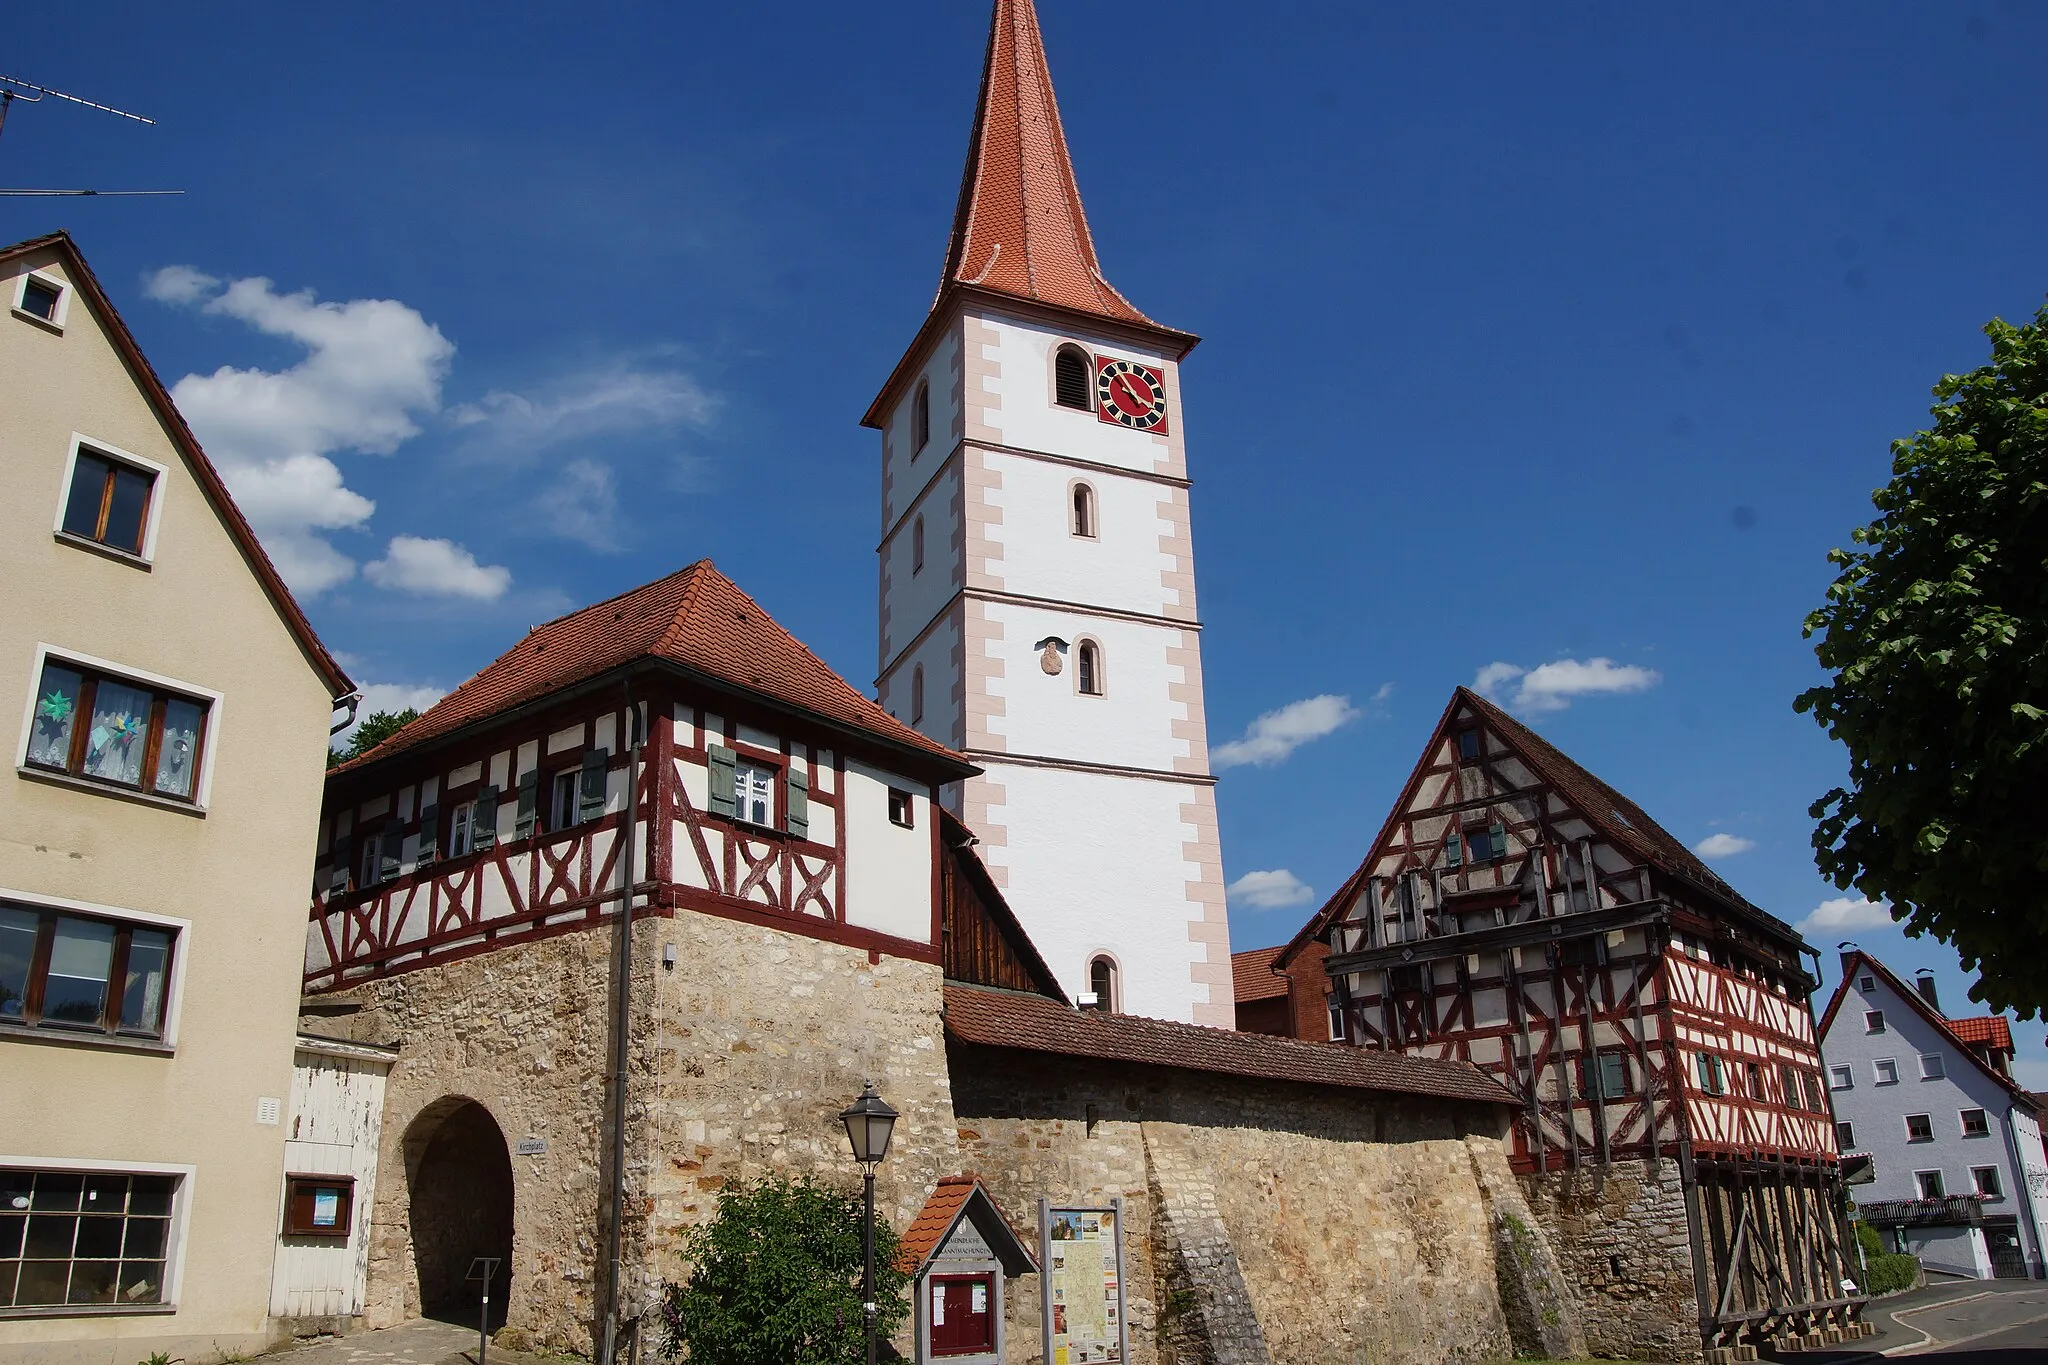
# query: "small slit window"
x,y
1102,982
921,418
1084,511
1088,668
917,545
108,502
1070,378
917,695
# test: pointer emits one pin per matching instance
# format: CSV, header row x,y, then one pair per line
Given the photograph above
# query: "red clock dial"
x,y
1130,394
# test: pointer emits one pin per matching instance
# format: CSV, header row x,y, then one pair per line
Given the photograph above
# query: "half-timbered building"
x,y
1517,912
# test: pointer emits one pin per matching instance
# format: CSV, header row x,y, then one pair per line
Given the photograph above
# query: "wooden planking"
x,y
337,1110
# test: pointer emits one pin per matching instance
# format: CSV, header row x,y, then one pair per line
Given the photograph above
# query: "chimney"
x,y
1925,981
1849,951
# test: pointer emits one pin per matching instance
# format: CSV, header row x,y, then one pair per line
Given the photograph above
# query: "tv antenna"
x,y
14,88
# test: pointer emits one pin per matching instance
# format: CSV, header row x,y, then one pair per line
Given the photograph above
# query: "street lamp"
x,y
869,1123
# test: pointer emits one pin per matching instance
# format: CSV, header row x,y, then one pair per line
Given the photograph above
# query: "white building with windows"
x,y
170,709
1037,572
1944,1148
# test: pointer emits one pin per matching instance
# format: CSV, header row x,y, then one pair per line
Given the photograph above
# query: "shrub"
x,y
1888,1274
776,1280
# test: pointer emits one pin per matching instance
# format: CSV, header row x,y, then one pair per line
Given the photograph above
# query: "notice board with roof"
x,y
958,1252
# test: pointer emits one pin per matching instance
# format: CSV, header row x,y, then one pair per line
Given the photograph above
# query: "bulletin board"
x,y
1081,1251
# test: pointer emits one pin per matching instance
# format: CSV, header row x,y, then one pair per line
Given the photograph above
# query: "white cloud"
x,y
1553,686
1276,734
582,504
1848,912
371,368
1723,846
1274,889
585,405
436,568
392,697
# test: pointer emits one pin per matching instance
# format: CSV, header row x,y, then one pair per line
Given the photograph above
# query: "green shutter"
x,y
596,768
430,833
1499,836
723,801
484,825
390,855
529,795
799,803
1454,850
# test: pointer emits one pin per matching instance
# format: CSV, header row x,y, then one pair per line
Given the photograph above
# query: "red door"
x,y
963,1314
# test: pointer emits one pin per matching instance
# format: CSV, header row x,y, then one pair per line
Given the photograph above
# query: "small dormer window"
x,y
1070,378
41,297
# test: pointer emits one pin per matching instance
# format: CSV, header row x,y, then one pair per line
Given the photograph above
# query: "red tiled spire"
x,y
1020,228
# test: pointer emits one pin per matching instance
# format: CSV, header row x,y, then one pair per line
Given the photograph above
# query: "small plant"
x,y
776,1280
161,1358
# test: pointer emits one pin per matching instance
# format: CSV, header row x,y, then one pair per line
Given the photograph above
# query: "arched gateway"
x,y
460,1176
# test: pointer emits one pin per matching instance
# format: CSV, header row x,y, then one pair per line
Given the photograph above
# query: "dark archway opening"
x,y
461,1209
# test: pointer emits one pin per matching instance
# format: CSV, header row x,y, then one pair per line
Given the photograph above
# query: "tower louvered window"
x,y
1070,378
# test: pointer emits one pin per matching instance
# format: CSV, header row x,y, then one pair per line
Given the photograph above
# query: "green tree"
x,y
1936,633
776,1279
378,727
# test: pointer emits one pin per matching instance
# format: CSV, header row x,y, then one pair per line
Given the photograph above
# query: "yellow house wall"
x,y
238,874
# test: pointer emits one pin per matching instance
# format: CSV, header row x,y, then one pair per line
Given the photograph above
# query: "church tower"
x,y
1037,567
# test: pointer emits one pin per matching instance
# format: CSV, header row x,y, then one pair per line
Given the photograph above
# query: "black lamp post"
x,y
869,1123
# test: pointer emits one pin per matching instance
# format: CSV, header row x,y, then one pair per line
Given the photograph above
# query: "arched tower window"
x,y
921,418
1088,668
1102,981
1070,377
917,695
917,544
1084,511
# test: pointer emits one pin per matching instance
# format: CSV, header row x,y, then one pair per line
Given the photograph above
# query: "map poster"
x,y
1082,1252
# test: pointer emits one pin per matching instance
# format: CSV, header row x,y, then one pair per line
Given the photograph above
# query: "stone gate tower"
x,y
1037,571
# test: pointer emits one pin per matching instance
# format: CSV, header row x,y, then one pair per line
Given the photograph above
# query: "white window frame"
x,y
1873,1021
461,829
1994,1195
1880,1066
174,989
174,1253
1841,1078
565,784
48,281
152,521
1920,1189
1845,1134
1963,1122
1335,1008
743,770
216,716
1931,1068
1907,1119
1866,983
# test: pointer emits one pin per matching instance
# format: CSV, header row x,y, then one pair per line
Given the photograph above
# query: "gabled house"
x,y
1519,913
1926,1107
170,707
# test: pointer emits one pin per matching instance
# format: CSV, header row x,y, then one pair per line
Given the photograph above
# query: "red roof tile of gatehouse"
x,y
1990,1029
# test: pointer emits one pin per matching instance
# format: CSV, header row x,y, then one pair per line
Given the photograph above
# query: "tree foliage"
x,y
380,726
776,1279
1936,633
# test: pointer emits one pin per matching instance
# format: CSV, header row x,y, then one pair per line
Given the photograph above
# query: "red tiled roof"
x,y
210,483
1989,1029
1252,973
1032,1023
933,1222
696,618
1019,228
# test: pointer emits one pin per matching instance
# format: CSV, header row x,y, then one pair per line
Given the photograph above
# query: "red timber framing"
x,y
438,909
1517,913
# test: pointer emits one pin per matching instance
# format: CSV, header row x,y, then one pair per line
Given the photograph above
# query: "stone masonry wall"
x,y
1623,1241
1358,1227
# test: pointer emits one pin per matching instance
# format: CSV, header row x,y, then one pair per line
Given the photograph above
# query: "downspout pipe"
x,y
622,1028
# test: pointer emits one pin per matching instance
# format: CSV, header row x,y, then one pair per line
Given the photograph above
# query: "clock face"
x,y
1130,394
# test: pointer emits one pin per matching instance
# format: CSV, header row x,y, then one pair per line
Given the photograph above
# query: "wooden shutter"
x,y
430,833
389,856
1498,834
1454,850
529,800
483,826
721,761
799,785
596,768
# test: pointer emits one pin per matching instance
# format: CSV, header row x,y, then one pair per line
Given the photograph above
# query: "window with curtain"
x,y
753,786
108,502
81,973
111,730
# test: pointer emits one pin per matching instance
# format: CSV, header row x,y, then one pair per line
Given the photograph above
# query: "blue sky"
x,y
1532,337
